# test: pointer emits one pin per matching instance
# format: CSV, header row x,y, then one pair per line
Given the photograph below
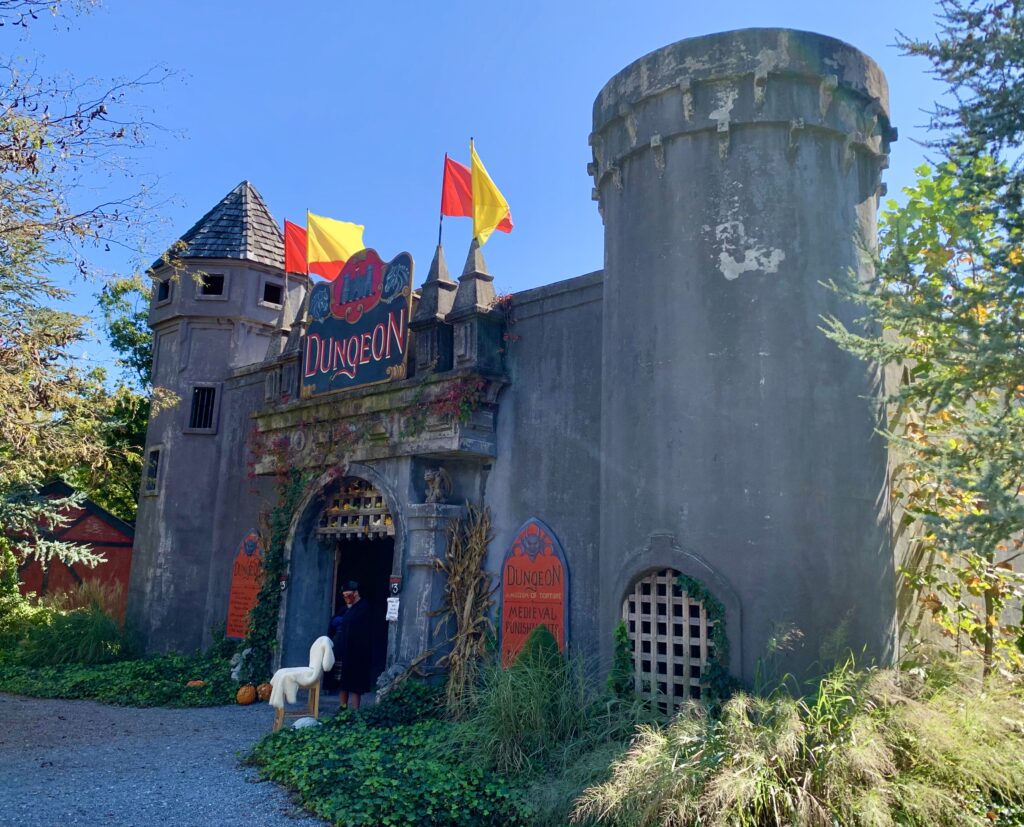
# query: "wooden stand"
x,y
312,709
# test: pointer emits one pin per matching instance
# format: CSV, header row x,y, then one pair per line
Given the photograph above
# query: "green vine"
x,y
620,679
262,637
715,677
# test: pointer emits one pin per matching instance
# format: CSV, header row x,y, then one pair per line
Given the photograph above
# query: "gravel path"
x,y
84,763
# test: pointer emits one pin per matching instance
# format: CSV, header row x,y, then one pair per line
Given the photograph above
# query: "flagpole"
x,y
309,280
440,221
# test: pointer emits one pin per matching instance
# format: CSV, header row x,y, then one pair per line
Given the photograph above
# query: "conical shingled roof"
x,y
240,226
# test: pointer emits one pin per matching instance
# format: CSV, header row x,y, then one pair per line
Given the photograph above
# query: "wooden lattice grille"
x,y
359,511
670,636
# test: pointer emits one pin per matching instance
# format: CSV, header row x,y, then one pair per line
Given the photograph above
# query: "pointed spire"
x,y
238,227
437,293
475,260
476,285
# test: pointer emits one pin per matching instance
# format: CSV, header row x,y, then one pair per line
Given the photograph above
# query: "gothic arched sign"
x,y
246,576
534,589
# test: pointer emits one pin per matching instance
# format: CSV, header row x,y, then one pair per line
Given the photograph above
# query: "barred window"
x,y
670,636
204,401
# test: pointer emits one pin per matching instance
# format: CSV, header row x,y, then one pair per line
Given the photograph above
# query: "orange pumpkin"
x,y
263,691
246,694
196,683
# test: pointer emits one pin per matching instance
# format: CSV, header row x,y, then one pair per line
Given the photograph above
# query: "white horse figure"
x,y
286,682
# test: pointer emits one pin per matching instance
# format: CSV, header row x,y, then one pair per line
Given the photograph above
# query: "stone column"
x,y
423,583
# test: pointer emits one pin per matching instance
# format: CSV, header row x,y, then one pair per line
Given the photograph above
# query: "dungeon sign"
x,y
358,332
534,589
246,577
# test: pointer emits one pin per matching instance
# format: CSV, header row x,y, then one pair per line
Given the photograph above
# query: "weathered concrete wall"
x,y
239,495
548,463
735,172
188,531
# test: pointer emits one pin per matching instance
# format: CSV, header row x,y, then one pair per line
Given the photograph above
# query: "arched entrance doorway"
x,y
357,526
345,528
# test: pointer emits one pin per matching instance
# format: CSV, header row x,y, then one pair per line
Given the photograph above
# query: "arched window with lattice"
x,y
670,634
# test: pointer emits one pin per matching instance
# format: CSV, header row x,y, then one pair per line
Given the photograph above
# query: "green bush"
x,y
18,616
870,747
356,774
542,713
87,636
408,703
158,681
520,716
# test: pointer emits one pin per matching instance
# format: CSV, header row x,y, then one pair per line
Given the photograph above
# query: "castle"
x,y
676,414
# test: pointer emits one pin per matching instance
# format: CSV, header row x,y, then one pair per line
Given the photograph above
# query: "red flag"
x,y
294,248
295,255
456,189
457,193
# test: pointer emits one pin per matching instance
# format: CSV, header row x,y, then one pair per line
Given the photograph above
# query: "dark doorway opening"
x,y
368,561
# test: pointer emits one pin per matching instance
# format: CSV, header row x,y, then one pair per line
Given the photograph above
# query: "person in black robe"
x,y
352,647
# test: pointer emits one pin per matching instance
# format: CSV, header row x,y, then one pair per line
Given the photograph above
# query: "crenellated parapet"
x,y
794,83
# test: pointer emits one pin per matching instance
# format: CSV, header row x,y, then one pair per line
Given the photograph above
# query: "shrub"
x,y
869,747
357,775
408,703
158,681
542,722
520,716
88,635
18,616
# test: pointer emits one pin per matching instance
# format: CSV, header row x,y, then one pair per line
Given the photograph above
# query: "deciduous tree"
x,y
949,304
57,141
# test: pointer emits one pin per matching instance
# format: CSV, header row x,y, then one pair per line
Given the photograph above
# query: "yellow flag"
x,y
331,240
489,206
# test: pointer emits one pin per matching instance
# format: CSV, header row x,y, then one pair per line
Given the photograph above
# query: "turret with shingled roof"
x,y
239,227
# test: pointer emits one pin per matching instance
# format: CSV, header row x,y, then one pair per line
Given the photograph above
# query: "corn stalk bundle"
x,y
466,613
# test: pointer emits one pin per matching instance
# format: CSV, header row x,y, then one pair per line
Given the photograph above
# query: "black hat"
x,y
350,586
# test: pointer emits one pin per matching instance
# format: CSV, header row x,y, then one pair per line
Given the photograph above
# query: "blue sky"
x,y
347,109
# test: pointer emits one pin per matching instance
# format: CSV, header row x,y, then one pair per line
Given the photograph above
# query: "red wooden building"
x,y
89,525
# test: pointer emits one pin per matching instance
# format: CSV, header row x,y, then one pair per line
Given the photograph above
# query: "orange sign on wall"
x,y
246,576
534,589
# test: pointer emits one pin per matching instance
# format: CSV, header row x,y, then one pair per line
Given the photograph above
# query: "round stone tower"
x,y
735,173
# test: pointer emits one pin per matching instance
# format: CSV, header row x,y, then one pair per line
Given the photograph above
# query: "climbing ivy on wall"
x,y
262,638
715,675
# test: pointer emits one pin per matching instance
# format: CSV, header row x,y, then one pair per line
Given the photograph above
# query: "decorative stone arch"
x,y
663,551
303,543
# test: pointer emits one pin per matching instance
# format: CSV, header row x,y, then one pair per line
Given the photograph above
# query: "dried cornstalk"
x,y
468,600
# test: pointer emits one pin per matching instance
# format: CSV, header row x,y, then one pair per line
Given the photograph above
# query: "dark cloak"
x,y
352,647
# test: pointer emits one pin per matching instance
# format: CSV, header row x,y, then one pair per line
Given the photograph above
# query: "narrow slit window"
x,y
203,401
152,471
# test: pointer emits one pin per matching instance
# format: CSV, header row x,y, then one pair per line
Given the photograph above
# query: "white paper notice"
x,y
392,615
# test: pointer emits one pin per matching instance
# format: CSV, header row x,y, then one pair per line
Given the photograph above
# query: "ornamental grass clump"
x,y
520,716
870,747
86,635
